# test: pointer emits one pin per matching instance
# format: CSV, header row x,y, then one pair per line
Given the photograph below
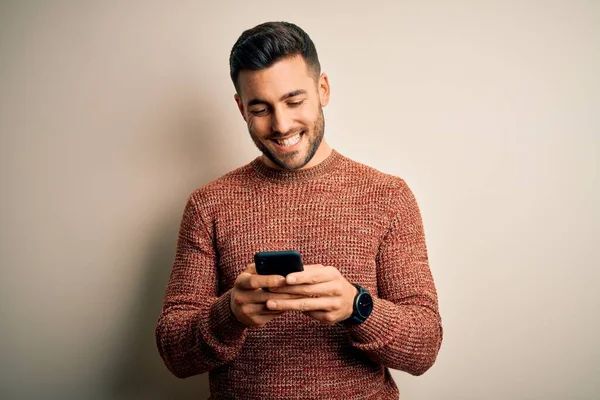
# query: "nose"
x,y
281,120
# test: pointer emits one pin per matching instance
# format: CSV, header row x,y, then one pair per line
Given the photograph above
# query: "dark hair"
x,y
265,44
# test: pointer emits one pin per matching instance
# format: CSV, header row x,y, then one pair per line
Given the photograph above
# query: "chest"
x,y
327,228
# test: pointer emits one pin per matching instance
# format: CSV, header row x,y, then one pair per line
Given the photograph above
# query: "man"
x,y
365,301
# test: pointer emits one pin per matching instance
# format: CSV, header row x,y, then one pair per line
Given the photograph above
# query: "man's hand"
x,y
326,295
248,297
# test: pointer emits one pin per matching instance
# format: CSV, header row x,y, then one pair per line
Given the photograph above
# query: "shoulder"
x,y
372,179
381,192
223,188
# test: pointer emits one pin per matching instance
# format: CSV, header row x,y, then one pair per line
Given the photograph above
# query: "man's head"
x,y
280,93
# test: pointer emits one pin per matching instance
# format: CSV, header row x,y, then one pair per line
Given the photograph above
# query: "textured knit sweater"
x,y
339,213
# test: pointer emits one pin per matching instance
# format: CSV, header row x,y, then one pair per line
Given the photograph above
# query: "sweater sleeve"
x,y
196,330
404,331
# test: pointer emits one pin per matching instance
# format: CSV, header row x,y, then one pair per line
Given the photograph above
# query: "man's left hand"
x,y
328,295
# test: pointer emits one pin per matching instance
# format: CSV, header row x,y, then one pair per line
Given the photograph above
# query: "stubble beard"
x,y
314,141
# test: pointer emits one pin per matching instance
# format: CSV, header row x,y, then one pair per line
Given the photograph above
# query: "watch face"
x,y
364,305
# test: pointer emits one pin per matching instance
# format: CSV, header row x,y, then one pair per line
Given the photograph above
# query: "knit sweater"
x,y
338,213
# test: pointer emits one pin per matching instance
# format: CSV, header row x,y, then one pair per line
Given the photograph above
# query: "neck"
x,y
322,153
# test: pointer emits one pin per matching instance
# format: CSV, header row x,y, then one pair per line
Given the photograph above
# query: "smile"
x,y
289,141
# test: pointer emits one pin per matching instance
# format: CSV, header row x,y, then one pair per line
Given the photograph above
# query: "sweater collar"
x,y
283,175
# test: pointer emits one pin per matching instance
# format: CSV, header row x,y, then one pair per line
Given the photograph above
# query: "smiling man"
x,y
286,126
366,300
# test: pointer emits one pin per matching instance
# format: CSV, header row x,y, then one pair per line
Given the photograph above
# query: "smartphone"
x,y
278,262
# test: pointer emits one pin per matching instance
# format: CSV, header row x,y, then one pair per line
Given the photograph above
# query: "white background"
x,y
111,113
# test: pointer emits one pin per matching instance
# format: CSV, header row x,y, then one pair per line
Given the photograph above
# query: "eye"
x,y
259,112
295,103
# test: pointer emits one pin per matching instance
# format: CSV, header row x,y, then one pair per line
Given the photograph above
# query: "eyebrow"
x,y
295,93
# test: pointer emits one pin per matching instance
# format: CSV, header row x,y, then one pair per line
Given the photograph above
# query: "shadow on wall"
x,y
139,372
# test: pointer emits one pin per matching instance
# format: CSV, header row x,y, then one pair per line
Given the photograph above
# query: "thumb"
x,y
251,269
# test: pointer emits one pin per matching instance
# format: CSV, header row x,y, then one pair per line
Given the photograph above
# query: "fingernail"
x,y
291,279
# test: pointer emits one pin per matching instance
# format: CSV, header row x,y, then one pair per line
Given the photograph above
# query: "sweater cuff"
x,y
377,327
223,323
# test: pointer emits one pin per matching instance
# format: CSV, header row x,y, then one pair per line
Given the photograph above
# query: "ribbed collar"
x,y
283,175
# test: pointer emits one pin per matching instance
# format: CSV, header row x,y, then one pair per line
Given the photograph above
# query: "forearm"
x,y
404,331
402,337
192,340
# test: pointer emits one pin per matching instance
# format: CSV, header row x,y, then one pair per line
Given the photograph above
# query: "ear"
x,y
324,89
240,105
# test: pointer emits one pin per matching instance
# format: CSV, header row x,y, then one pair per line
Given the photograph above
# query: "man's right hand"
x,y
248,299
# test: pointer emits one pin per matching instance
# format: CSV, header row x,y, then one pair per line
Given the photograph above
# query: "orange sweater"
x,y
339,213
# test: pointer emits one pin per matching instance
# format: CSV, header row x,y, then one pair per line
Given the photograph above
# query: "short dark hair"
x,y
265,44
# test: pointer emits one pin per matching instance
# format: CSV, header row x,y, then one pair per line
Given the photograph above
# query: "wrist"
x,y
351,294
362,306
223,321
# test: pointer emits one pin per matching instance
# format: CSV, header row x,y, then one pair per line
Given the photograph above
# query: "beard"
x,y
314,137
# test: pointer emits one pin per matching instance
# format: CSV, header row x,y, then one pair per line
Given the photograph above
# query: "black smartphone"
x,y
278,262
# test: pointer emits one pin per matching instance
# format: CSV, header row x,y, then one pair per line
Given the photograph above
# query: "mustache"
x,y
292,132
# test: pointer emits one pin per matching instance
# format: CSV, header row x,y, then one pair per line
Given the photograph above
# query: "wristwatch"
x,y
362,307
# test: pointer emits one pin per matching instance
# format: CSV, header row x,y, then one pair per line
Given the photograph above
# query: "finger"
x,y
313,266
247,281
263,319
260,296
305,304
251,309
258,320
324,317
318,289
251,269
313,275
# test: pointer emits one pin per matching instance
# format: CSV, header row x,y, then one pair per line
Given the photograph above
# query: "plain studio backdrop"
x,y
111,113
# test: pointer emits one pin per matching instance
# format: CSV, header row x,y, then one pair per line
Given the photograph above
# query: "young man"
x,y
366,300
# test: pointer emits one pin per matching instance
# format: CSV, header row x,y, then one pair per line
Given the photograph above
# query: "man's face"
x,y
282,106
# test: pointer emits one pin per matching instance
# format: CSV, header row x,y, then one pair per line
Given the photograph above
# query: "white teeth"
x,y
289,142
